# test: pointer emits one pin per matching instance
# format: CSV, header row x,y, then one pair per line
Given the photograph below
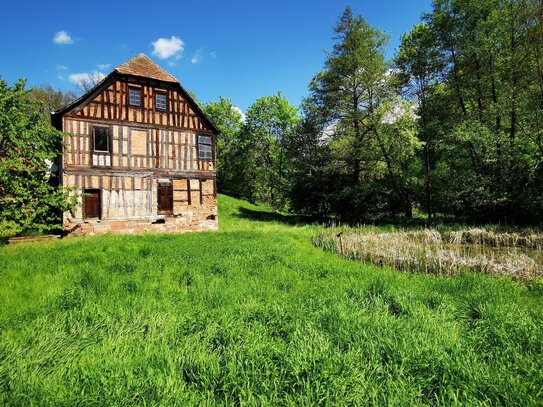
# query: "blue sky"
x,y
238,49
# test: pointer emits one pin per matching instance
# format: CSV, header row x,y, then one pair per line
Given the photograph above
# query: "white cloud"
x,y
63,38
86,78
165,48
62,67
103,67
238,110
213,54
197,57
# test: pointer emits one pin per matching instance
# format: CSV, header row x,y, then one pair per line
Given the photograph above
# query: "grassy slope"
x,y
254,314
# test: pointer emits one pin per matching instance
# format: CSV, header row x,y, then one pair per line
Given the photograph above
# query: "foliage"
x,y
29,196
270,124
51,100
254,315
364,136
252,159
230,152
477,64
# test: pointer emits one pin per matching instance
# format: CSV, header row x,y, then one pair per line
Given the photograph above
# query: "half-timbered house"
x,y
140,155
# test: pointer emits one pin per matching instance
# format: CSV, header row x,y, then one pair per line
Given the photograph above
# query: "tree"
x,y
270,123
30,197
419,66
353,84
230,157
488,102
88,81
51,99
366,131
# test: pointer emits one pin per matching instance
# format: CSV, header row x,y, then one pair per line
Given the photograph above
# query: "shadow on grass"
x,y
267,216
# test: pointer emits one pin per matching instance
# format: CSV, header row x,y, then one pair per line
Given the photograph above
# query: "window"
x,y
101,139
204,148
134,97
160,101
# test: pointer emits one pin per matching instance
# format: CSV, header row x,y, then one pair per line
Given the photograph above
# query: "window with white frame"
x,y
134,97
160,101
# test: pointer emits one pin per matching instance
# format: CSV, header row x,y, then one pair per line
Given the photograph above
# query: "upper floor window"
x,y
204,148
101,139
160,101
134,97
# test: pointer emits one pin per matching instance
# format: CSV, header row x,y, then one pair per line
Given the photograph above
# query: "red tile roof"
x,y
142,65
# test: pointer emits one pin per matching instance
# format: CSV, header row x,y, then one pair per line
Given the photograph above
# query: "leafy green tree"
x,y
230,155
418,65
489,154
270,124
30,197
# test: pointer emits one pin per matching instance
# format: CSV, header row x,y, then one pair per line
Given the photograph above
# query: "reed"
x,y
428,251
528,239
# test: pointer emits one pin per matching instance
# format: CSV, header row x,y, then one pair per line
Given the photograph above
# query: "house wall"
x,y
134,147
146,147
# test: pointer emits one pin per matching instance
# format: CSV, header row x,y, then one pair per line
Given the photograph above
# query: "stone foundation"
x,y
159,225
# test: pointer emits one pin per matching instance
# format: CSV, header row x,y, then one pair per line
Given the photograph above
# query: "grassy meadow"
x,y
256,315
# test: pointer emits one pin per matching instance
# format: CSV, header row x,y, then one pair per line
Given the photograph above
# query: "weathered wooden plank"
x,y
121,139
129,135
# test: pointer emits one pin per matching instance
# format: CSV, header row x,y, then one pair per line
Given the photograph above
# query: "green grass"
x,y
255,315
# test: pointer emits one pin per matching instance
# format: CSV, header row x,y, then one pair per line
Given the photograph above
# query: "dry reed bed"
x,y
427,251
527,239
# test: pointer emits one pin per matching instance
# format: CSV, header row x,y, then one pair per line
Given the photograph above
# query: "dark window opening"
x,y
165,199
160,101
91,204
134,97
101,139
205,151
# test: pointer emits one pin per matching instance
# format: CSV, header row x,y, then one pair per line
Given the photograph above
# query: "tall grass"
x,y
255,315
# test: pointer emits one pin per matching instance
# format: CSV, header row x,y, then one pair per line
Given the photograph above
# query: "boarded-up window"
x,y
165,198
91,204
181,195
207,192
138,141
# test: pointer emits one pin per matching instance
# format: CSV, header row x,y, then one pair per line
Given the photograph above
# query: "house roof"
x,y
142,65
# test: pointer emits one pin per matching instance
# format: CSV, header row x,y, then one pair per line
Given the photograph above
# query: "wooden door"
x,y
165,199
91,204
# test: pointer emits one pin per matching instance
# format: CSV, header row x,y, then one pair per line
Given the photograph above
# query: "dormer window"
x,y
134,97
160,101
204,148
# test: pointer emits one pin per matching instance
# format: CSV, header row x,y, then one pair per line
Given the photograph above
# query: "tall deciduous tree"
x,y
419,65
30,197
51,99
230,155
270,124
